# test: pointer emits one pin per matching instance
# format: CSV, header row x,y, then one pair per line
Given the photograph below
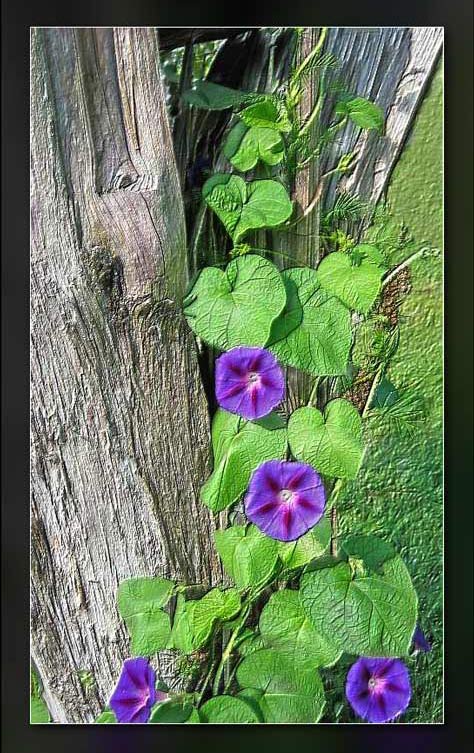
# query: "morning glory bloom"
x,y
378,689
285,499
249,382
419,641
135,692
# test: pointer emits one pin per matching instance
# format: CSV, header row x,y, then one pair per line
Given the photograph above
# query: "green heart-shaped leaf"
x,y
331,443
313,333
194,619
356,285
247,554
285,627
106,717
287,694
210,96
238,305
175,711
226,709
239,447
139,603
310,546
217,604
362,112
182,635
382,603
246,146
245,206
266,115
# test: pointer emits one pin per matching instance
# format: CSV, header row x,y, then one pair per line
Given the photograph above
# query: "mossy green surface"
x,y
398,494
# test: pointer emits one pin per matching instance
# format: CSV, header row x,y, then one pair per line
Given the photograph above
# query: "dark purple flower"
x,y
285,499
419,641
249,382
135,692
378,689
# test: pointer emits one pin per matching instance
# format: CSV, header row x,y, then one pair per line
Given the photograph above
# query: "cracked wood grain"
x,y
392,67
119,420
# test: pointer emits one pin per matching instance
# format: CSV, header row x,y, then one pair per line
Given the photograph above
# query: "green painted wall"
x,y
398,494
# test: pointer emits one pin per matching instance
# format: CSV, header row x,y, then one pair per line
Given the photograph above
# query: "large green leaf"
x,y
368,605
245,146
194,718
141,594
210,96
266,114
217,604
106,717
174,711
139,602
313,544
248,555
239,447
285,627
362,112
238,305
250,643
313,333
332,442
245,206
194,619
289,694
226,709
182,635
356,285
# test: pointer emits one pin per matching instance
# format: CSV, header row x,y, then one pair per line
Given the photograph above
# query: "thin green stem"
x,y
333,129
228,649
394,272
206,681
231,677
314,391
309,58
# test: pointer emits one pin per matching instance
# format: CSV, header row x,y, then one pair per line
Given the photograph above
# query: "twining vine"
x,y
301,597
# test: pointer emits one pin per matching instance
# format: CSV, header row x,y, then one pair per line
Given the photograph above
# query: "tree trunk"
x,y
120,427
120,422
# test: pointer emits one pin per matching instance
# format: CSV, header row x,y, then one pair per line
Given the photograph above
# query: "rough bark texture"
x,y
120,427
392,67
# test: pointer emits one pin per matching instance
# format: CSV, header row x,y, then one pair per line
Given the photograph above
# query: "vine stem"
x,y
333,129
314,390
228,649
309,58
389,277
206,681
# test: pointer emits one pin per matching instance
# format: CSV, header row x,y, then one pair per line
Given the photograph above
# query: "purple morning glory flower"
x,y
135,692
249,382
378,689
419,641
285,499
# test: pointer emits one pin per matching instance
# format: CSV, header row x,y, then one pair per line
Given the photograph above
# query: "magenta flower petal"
x,y
378,689
135,692
285,499
249,382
